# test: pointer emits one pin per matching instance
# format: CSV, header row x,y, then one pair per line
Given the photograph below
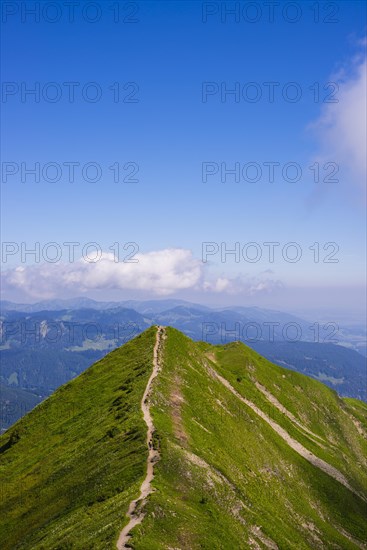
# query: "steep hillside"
x,y
245,454
340,368
70,467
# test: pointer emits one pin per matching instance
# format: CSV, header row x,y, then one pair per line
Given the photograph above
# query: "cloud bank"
x,y
161,272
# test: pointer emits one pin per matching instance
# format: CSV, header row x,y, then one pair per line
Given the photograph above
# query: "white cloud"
x,y
245,285
219,285
341,127
161,272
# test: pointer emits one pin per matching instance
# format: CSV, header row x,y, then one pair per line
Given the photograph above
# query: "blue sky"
x,y
169,132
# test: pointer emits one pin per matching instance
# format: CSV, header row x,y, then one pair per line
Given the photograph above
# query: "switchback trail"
x,y
137,516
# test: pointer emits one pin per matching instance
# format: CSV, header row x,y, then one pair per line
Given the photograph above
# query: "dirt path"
x,y
295,445
137,516
274,401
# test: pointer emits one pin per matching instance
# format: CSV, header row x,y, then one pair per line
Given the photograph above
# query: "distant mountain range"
x,y
148,306
42,349
200,317
167,443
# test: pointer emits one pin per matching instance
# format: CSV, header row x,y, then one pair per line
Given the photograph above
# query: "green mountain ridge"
x,y
246,455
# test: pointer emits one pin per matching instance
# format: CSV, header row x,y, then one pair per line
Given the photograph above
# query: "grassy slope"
x,y
252,478
225,479
66,482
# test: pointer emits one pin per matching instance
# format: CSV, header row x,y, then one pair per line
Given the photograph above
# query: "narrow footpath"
x,y
136,517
